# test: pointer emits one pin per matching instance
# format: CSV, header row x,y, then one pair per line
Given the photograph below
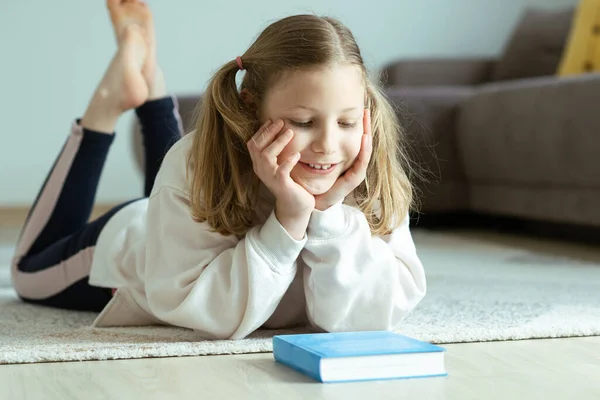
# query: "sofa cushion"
x,y
541,131
530,148
581,53
437,72
536,45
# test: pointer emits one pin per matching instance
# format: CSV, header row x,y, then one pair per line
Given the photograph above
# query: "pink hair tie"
x,y
239,63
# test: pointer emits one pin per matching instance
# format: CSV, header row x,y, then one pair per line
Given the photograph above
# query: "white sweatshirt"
x,y
172,270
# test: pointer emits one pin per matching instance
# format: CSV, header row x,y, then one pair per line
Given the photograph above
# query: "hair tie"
x,y
239,63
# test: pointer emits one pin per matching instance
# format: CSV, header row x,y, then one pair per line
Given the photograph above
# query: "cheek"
x,y
352,146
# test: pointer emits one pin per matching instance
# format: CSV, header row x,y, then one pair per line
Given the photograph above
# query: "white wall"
x,y
54,52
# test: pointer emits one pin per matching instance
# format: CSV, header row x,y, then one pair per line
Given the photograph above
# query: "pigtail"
x,y
219,162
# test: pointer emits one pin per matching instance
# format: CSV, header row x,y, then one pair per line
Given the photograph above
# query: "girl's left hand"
x,y
350,179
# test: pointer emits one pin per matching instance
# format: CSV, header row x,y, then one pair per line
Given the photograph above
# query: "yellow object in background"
x,y
582,50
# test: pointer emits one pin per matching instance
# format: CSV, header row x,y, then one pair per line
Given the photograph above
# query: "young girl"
x,y
287,205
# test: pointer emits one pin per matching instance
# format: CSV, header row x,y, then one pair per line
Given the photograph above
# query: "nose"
x,y
325,140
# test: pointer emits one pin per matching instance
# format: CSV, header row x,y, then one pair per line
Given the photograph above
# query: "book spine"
x,y
297,358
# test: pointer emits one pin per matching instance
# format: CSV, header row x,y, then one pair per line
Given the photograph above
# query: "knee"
x,y
22,281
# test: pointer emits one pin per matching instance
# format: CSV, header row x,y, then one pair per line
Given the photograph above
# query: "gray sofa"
x,y
505,136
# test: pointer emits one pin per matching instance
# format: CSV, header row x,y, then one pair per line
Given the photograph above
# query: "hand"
x,y
350,179
293,203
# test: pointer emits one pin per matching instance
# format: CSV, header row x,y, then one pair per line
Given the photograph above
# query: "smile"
x,y
320,169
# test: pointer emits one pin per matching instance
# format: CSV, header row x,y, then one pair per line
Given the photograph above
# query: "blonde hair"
x,y
223,185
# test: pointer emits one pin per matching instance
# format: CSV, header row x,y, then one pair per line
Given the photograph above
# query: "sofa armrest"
x,y
431,72
541,131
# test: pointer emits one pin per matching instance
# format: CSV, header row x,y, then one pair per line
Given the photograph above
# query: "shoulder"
x,y
174,167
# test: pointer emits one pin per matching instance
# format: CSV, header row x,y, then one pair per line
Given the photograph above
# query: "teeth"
x,y
319,166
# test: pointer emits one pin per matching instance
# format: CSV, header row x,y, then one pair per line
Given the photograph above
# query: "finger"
x,y
366,149
252,145
355,174
367,122
266,134
288,165
275,148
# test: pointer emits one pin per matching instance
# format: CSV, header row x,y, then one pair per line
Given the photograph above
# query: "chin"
x,y
316,191
315,188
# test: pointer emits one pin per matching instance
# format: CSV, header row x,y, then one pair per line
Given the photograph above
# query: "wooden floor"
x,y
530,369
537,369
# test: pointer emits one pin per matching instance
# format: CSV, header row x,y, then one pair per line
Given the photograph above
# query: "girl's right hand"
x,y
294,204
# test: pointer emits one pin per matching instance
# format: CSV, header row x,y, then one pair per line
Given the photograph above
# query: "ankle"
x,y
101,116
158,87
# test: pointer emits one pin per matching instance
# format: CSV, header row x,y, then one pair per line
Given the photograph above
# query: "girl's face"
x,y
324,108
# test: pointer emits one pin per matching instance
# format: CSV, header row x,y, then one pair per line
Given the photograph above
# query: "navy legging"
x,y
55,249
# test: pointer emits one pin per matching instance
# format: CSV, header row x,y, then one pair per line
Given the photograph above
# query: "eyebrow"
x,y
315,110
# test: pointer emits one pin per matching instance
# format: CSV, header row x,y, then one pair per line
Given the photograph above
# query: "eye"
x,y
302,124
348,125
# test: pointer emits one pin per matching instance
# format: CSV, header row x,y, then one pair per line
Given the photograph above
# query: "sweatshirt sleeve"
x,y
218,285
355,281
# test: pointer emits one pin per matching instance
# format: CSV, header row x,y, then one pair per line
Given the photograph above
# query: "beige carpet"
x,y
482,287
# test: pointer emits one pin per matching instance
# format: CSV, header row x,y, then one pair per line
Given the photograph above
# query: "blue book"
x,y
359,356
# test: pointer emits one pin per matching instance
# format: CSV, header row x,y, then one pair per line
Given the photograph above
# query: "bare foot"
x,y
123,86
124,13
